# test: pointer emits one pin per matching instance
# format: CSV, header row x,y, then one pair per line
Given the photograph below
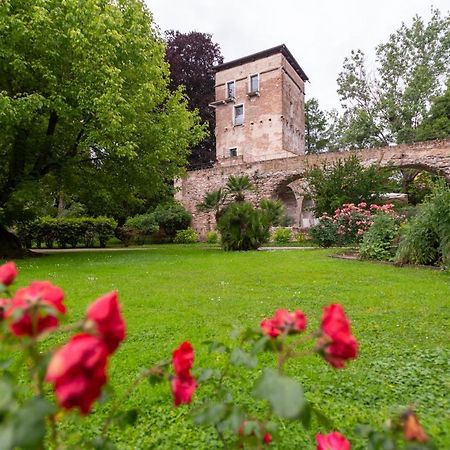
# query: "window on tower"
x,y
231,89
238,115
253,84
233,151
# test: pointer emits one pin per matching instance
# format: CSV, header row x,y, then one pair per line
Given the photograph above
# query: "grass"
x,y
169,294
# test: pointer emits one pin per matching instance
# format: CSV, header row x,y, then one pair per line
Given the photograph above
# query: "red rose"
x,y
284,322
183,359
412,429
269,328
267,438
183,388
78,372
8,273
105,313
332,441
37,308
337,343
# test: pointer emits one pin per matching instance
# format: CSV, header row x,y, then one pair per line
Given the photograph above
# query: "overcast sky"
x,y
319,33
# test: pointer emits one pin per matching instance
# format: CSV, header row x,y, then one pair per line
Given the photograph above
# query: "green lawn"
x,y
174,293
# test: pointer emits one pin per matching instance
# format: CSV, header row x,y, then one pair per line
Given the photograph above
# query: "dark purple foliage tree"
x,y
192,57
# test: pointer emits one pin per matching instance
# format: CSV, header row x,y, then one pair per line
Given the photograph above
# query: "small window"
x,y
233,151
254,83
231,89
239,114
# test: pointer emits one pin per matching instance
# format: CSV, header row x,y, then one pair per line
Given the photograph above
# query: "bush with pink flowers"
x,y
348,224
71,378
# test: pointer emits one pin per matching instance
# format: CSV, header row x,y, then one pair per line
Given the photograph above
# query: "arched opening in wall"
x,y
307,216
412,183
286,195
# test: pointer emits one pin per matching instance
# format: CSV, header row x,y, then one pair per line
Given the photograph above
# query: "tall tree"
x,y
387,105
316,127
85,100
192,57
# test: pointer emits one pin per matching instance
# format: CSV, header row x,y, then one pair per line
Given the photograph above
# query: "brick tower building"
x,y
260,107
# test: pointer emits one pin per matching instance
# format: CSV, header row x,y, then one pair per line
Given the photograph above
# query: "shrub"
x,y
379,241
300,238
242,227
282,235
212,237
144,224
324,233
274,210
187,236
426,238
67,231
172,217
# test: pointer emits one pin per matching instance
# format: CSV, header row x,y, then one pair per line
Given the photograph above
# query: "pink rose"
x,y
35,309
8,273
284,322
332,441
78,372
105,314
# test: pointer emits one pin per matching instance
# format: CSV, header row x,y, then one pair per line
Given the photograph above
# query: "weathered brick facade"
x,y
269,143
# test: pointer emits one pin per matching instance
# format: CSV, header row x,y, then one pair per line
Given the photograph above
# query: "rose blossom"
x,y
267,438
78,371
332,441
8,273
35,308
105,314
183,388
183,358
284,322
337,342
412,429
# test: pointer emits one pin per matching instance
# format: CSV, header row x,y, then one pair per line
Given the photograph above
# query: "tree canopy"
x,y
388,104
85,105
192,57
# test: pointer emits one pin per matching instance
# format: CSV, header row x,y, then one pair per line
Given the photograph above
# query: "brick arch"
x,y
269,175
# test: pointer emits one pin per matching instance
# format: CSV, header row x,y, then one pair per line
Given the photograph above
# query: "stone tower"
x,y
260,108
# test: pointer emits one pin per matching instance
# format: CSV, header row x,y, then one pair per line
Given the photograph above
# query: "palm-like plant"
x,y
274,211
213,201
238,185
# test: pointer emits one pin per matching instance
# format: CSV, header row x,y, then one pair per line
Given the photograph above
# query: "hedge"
x,y
67,232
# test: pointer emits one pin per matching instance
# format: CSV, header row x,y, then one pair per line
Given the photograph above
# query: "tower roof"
x,y
264,54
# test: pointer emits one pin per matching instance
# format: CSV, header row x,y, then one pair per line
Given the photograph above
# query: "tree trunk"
x,y
10,246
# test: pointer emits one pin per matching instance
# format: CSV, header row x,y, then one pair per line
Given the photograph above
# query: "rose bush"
x,y
77,372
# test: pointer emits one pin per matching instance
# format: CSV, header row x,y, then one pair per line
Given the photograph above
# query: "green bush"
x,y
274,210
426,238
300,238
187,236
171,218
143,225
379,241
325,232
242,227
212,237
67,231
282,235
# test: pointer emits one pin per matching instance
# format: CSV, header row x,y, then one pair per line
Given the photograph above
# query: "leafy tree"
x,y
388,105
85,100
437,124
345,181
192,57
316,127
213,201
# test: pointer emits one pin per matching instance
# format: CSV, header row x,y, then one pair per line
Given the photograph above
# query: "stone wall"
x,y
270,176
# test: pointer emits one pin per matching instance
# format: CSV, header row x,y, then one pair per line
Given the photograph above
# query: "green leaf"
x,y
284,394
101,443
29,422
240,357
261,345
305,416
129,417
322,418
207,374
210,415
214,346
6,395
7,436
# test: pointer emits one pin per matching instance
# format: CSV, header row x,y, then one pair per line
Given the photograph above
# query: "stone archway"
x,y
287,196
